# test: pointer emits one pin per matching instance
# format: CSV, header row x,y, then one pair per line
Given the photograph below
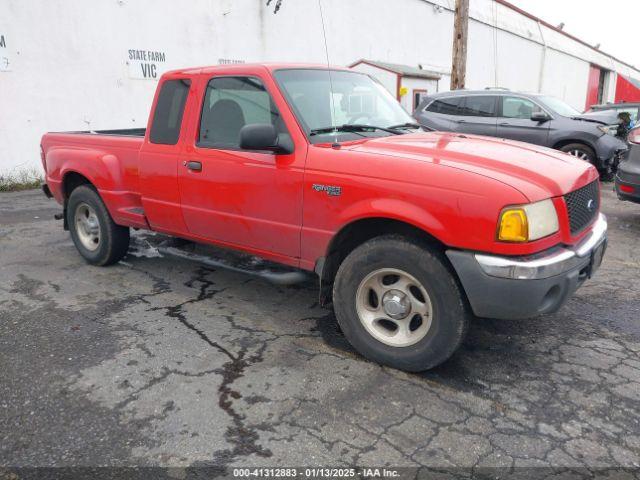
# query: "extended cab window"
x,y
167,119
446,106
230,103
479,106
517,107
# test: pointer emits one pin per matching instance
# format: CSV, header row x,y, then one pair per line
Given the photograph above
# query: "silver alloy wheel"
x,y
579,154
394,307
87,226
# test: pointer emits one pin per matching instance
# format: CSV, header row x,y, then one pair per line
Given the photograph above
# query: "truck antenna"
x,y
326,51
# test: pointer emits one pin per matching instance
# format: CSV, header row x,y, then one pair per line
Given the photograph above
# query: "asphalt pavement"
x,y
172,362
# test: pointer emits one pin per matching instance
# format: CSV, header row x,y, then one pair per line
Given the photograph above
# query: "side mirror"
x,y
261,136
540,117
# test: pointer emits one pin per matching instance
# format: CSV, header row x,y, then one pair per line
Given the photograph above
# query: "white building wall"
x,y
68,58
566,77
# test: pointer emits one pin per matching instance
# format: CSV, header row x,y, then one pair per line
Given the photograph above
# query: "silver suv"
x,y
532,118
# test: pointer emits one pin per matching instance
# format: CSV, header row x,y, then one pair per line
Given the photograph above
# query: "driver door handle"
x,y
193,165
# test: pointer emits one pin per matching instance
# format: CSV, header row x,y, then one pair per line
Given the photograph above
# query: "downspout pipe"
x,y
543,59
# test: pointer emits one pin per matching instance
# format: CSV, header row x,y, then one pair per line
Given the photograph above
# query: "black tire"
x,y
580,149
450,315
113,241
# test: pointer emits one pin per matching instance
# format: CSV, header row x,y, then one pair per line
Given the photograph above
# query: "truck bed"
x,y
109,158
123,132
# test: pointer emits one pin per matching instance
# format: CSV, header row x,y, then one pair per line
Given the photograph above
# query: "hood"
x,y
537,172
605,117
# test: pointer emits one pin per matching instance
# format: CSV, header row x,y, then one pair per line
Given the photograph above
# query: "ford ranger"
x,y
320,169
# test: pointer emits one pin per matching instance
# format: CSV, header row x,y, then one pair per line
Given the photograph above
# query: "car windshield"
x,y
330,105
560,107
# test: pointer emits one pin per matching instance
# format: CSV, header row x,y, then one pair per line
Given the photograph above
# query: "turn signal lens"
x,y
513,226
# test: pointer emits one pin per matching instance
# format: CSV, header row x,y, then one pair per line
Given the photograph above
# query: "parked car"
x,y
631,108
627,179
409,232
538,119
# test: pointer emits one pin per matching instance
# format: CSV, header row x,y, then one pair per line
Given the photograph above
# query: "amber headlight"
x,y
525,223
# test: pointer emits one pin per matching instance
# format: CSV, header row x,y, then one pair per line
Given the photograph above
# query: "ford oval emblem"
x,y
591,205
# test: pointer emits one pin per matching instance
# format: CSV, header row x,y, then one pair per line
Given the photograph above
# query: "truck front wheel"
x,y
98,239
399,305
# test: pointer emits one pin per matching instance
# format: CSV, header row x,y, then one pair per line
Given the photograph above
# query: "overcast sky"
x,y
612,23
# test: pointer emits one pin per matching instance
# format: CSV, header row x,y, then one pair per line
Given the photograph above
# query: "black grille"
x,y
583,206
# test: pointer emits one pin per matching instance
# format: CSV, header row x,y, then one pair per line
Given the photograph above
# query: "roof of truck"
x,y
244,66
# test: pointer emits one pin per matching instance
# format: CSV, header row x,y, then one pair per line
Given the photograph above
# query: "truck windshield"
x,y
326,105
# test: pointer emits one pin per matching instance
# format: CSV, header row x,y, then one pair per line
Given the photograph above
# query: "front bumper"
x,y
523,287
610,151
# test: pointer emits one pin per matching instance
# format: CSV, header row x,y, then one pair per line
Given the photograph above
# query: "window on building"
x,y
479,106
167,118
517,107
446,106
230,103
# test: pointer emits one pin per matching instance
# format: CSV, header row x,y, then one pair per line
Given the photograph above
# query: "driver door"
x,y
246,199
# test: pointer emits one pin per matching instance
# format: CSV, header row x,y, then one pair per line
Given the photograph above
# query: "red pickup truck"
x,y
409,232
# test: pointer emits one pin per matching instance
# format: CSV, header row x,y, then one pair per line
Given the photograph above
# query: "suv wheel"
x,y
581,151
399,305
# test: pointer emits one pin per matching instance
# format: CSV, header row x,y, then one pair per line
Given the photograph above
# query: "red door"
x,y
593,86
245,199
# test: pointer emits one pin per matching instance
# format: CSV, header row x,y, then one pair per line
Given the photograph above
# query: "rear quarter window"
x,y
167,118
446,106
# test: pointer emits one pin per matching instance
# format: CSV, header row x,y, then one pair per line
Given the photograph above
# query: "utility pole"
x,y
460,33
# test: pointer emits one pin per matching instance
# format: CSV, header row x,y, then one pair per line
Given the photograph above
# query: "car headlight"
x,y
610,129
525,223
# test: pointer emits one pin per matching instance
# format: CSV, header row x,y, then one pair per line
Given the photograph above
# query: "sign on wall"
x,y
5,62
145,64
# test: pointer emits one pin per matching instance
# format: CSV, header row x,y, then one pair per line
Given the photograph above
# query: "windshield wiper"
x,y
405,125
352,127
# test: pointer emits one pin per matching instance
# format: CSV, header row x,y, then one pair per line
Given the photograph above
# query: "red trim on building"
x,y
626,91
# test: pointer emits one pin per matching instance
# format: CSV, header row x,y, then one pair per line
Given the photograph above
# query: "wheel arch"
x,y
568,141
71,180
357,232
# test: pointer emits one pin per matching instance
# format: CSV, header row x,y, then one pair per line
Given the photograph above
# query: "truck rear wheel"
x,y
399,305
98,239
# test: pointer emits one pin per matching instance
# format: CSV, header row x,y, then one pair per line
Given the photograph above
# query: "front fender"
x,y
394,209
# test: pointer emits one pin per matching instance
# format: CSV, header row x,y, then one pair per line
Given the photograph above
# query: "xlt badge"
x,y
331,190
